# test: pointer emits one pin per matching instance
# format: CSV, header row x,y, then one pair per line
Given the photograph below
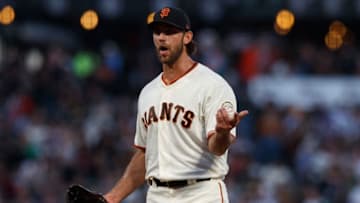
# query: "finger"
x,y
220,116
239,116
243,113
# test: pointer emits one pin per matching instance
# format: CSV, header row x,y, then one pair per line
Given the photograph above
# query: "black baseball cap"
x,y
171,16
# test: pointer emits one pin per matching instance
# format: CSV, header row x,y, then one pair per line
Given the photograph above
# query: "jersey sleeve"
x,y
140,133
216,97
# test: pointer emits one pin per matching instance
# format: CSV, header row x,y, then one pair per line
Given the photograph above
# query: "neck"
x,y
172,72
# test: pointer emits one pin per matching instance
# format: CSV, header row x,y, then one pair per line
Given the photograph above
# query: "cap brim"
x,y
151,25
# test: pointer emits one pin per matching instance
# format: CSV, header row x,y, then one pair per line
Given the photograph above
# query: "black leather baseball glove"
x,y
80,194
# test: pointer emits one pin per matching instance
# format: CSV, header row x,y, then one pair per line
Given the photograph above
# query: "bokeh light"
x,y
285,19
339,27
33,60
333,40
84,64
338,35
89,20
7,15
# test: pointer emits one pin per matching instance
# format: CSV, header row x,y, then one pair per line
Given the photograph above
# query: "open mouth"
x,y
163,50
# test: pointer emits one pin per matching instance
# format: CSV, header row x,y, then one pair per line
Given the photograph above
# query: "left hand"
x,y
224,123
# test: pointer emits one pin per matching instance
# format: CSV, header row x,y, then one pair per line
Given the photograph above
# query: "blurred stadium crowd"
x,y
67,115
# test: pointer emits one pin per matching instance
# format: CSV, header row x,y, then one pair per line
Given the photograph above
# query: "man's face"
x,y
168,42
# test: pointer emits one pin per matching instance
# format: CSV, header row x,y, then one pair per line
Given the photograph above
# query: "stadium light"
x,y
284,21
7,15
89,20
333,40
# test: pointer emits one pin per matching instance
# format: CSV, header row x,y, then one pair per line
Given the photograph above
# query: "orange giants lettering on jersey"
x,y
168,112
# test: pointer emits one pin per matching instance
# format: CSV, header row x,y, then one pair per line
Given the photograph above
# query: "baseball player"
x,y
185,123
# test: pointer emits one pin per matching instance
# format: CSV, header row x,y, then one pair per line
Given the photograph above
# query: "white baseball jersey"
x,y
173,122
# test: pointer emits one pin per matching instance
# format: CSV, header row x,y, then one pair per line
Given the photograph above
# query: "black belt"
x,y
175,183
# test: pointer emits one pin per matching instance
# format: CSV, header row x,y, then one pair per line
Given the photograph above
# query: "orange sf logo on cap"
x,y
164,12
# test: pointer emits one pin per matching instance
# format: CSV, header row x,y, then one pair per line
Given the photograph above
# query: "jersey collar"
x,y
173,81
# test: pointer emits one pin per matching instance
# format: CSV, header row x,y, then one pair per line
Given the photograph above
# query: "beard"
x,y
173,55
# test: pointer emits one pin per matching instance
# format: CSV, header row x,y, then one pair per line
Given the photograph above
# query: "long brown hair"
x,y
191,48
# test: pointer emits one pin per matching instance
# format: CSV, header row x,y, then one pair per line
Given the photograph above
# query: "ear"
x,y
188,37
